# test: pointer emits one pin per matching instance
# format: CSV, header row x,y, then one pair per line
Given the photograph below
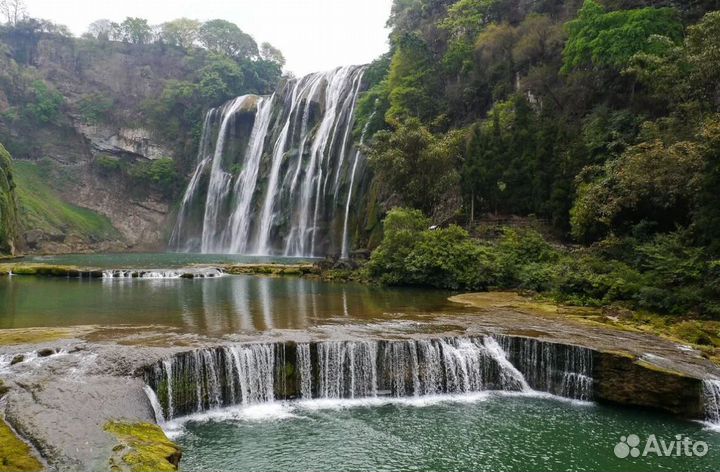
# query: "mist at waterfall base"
x,y
492,432
277,175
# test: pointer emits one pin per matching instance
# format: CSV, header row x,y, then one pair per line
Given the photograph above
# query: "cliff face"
x,y
8,209
71,114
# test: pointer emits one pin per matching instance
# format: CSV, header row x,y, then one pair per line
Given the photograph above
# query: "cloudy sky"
x,y
313,34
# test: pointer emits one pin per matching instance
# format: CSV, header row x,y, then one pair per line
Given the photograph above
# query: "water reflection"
x,y
215,306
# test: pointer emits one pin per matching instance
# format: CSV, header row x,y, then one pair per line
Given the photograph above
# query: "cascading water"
x,y
274,173
258,373
561,369
711,399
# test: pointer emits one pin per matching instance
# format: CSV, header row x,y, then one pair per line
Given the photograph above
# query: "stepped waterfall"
x,y
276,175
246,374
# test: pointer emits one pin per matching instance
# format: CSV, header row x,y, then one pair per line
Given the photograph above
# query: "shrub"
x,y
160,172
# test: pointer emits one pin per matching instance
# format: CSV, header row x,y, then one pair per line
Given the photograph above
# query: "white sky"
x,y
314,35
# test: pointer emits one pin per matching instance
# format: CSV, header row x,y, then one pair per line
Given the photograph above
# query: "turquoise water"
x,y
155,260
230,304
494,433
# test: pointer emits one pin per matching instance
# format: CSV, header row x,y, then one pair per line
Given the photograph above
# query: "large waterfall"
x,y
276,175
258,373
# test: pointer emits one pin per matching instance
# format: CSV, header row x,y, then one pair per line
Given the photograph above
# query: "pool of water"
x,y
481,432
155,260
230,304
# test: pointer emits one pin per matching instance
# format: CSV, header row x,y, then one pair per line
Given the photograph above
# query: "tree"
x,y
13,11
610,39
136,31
417,167
100,29
223,37
182,32
270,53
652,181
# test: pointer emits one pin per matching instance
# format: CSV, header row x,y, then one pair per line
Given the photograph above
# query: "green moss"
x,y
15,454
142,447
34,335
43,209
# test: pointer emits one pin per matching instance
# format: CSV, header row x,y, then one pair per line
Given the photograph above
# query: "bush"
x,y
95,108
160,172
46,105
412,254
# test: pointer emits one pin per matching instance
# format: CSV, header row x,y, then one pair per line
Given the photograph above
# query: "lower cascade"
x,y
190,273
212,378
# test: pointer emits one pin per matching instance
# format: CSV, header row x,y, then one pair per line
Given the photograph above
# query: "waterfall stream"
x,y
211,378
271,176
711,399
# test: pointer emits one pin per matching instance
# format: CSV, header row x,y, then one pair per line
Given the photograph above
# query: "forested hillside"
x,y
599,118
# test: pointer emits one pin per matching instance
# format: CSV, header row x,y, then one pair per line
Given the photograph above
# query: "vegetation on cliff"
x,y
42,209
8,205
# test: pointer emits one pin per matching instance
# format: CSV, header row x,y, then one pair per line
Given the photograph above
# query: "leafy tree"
x,y
651,181
13,11
610,39
182,32
102,30
136,31
417,167
224,37
271,54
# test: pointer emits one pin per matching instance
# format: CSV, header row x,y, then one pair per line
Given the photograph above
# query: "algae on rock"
x,y
142,447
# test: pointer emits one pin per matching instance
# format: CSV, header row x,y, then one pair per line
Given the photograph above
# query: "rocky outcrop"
x,y
624,380
103,86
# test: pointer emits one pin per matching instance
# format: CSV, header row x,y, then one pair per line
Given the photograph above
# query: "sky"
x,y
314,35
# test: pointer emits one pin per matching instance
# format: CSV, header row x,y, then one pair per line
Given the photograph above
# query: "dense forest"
x,y
600,120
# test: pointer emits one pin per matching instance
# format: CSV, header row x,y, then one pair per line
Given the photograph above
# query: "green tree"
x,y
652,182
136,31
610,39
224,37
272,54
182,32
417,167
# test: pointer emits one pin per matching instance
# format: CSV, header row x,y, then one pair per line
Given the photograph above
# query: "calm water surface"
x,y
229,304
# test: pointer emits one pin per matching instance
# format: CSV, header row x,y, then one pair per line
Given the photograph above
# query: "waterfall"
x,y
258,373
212,378
272,171
247,182
711,399
345,252
220,180
189,273
560,369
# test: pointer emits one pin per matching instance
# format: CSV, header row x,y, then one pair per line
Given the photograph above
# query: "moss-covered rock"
x,y
142,447
15,454
8,206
